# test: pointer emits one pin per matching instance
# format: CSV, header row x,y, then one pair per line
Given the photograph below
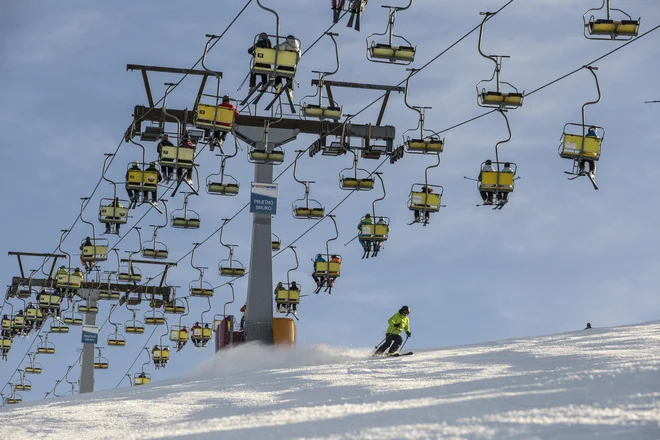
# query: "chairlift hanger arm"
x,y
351,85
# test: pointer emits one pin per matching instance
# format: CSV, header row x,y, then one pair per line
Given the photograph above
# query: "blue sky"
x,y
558,255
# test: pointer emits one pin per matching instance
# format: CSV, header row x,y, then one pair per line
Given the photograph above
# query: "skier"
x,y
399,321
366,244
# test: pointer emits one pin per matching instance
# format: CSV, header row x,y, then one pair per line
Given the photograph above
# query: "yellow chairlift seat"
x,y
113,214
628,28
232,271
276,245
13,400
186,223
94,253
161,354
141,379
222,188
426,145
18,322
160,254
46,350
70,281
101,365
571,147
308,212
127,276
317,111
23,387
116,341
392,53
70,320
5,324
109,295
178,335
24,292
33,370
185,158
286,296
214,117
5,343
86,308
510,100
33,314
420,201
264,60
204,334
199,291
134,300
374,232
50,301
174,308
134,328
138,179
489,181
356,183
275,157
59,328
154,320
327,269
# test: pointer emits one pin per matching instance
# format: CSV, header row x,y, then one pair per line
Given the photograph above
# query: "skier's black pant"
x,y
393,340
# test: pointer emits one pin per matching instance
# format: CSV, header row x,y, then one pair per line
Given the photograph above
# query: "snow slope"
x,y
600,383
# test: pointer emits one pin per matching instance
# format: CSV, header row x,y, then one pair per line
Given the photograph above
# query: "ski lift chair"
x,y
50,301
276,243
108,213
173,156
205,290
263,61
607,28
287,297
178,334
98,251
497,181
88,308
141,379
426,145
261,156
154,318
421,200
134,327
174,308
376,232
69,280
574,146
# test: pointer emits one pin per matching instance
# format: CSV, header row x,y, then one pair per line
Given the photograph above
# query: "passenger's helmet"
x,y
404,309
263,36
225,98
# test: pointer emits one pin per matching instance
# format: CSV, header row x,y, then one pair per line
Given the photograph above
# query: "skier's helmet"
x,y
405,310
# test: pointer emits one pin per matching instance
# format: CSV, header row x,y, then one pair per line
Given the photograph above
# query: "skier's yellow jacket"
x,y
398,318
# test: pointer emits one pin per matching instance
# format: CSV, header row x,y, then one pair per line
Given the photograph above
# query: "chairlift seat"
x,y
327,269
73,321
50,301
489,181
185,223
137,380
499,99
197,291
392,53
425,145
232,271
274,157
141,180
374,232
13,400
359,184
113,214
264,60
134,300
151,133
154,320
101,365
276,245
422,201
321,112
178,335
33,315
168,156
214,117
5,343
159,254
86,308
6,324
94,253
116,342
202,333
134,328
46,350
33,370
59,328
627,28
160,354
176,309
572,145
66,280
222,188
127,276
24,292
23,387
286,296
18,322
109,295
307,212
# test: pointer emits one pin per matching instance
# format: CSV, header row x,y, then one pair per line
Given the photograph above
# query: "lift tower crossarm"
x,y
32,254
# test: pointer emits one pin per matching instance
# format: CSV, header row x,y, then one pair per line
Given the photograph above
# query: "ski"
x,y
402,354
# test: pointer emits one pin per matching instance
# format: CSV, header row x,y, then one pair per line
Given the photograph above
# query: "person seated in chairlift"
x,y
194,338
486,196
280,307
427,190
289,45
366,221
331,280
318,280
378,244
503,196
205,341
591,133
88,265
221,135
133,194
166,169
294,288
154,192
185,143
183,338
262,42
114,204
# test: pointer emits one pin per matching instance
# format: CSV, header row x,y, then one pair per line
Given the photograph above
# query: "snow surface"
x,y
599,383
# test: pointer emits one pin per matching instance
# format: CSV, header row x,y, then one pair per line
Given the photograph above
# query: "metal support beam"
x,y
315,82
123,288
147,88
382,108
169,70
259,310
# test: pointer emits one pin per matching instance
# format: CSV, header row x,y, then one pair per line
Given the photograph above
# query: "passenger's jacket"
x,y
290,45
398,318
366,221
260,43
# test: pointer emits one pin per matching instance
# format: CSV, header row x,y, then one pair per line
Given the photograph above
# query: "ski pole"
x,y
346,244
378,345
403,345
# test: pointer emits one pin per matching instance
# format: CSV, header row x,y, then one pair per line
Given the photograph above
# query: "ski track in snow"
x,y
602,383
